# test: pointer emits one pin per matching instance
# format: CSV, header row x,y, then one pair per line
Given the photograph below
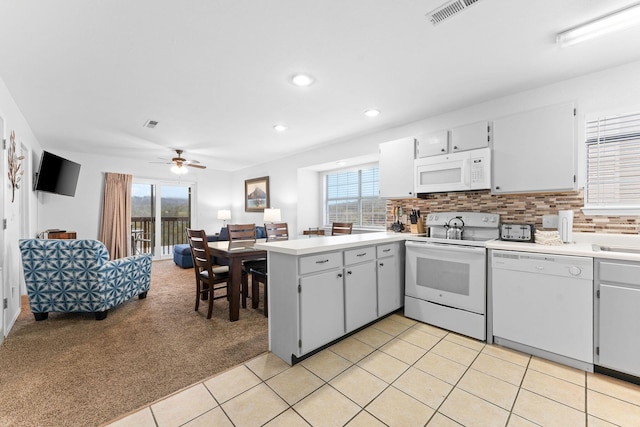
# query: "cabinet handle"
x,y
382,264
349,273
322,261
339,275
362,254
443,150
497,187
386,250
455,147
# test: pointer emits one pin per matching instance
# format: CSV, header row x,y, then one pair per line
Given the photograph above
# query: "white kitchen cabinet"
x,y
316,298
470,137
432,144
390,272
617,313
321,309
396,168
535,151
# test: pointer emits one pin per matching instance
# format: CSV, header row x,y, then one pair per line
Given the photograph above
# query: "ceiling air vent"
x,y
150,124
448,10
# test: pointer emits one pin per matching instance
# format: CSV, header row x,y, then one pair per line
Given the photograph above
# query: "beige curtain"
x,y
115,231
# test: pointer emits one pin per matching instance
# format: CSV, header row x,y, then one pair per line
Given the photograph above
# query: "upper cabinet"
x,y
535,151
396,168
470,137
432,144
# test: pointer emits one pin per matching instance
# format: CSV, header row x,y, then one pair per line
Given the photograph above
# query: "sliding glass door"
x,y
160,213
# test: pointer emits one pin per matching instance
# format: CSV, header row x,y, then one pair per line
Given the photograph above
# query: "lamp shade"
x,y
224,214
271,215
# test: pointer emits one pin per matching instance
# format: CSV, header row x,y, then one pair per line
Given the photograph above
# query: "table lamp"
x,y
224,215
271,215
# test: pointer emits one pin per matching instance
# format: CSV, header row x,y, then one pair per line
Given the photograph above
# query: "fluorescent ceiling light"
x,y
279,128
302,80
618,20
372,113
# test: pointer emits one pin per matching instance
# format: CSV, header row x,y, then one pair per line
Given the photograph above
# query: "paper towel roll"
x,y
565,226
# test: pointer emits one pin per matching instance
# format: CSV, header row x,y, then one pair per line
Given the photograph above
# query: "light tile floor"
x,y
399,372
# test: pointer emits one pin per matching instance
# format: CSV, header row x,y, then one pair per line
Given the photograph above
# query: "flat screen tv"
x,y
57,175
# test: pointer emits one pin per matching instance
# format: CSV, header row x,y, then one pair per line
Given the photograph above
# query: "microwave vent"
x,y
448,10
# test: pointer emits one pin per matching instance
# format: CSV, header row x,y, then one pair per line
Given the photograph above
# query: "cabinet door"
x,y
360,295
469,137
321,309
396,168
390,291
535,151
432,144
619,341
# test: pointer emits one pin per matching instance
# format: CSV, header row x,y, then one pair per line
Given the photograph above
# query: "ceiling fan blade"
x,y
196,166
190,161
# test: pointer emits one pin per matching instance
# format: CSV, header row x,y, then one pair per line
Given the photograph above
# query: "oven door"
x,y
447,274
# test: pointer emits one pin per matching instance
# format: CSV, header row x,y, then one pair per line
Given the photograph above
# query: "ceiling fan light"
x,y
179,170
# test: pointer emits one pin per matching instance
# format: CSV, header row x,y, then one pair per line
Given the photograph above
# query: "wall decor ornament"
x,y
256,194
15,162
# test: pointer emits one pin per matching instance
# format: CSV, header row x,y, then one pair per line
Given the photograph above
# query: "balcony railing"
x,y
172,230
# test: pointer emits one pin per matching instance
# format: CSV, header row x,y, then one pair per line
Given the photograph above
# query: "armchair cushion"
x,y
77,276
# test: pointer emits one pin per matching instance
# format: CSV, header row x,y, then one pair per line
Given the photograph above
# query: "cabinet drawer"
x,y
619,272
355,256
326,261
390,249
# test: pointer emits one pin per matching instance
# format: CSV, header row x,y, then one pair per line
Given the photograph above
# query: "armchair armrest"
x,y
125,278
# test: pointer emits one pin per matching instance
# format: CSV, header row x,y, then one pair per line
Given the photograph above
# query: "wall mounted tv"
x,y
57,175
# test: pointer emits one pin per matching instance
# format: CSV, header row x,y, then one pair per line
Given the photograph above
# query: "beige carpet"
x,y
72,370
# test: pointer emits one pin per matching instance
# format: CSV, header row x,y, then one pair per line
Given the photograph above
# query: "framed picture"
x,y
256,194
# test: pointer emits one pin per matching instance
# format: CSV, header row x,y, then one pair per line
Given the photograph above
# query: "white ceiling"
x,y
87,74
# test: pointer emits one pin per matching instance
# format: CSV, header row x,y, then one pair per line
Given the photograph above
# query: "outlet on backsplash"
x,y
549,221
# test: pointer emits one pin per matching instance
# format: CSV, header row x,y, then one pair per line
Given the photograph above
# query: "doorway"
x,y
160,213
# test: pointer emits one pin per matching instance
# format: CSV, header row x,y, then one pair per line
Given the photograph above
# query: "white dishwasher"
x,y
543,305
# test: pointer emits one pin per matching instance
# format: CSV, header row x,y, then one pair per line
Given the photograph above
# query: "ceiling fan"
x,y
180,163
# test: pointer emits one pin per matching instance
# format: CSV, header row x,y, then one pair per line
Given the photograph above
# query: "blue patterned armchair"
x,y
77,276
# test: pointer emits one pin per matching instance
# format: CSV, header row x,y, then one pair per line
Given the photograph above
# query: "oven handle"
x,y
445,246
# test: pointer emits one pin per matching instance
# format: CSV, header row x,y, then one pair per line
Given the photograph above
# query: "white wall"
x,y
611,91
9,252
82,213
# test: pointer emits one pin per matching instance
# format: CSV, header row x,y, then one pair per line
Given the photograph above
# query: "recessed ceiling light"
x,y
302,80
279,128
371,113
341,163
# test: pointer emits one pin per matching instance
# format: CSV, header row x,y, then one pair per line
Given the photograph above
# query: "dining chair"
x,y
242,235
207,276
338,228
275,231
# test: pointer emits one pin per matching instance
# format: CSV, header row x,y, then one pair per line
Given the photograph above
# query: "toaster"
x,y
517,232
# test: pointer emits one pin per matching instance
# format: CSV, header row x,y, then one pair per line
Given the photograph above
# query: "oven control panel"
x,y
517,232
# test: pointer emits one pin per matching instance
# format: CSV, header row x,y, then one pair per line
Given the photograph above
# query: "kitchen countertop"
x,y
583,245
305,245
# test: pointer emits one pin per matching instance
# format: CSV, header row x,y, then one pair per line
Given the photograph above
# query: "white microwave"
x,y
461,171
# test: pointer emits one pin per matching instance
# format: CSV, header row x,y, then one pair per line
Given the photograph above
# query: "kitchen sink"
x,y
625,249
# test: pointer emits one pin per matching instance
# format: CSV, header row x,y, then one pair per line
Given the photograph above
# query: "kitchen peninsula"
x,y
323,288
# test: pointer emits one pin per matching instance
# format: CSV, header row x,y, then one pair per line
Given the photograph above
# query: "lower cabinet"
x,y
617,316
321,301
316,299
361,300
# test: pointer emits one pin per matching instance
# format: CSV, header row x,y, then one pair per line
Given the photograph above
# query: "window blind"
x,y
613,162
353,196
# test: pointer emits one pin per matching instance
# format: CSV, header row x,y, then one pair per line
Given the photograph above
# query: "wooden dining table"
x,y
235,254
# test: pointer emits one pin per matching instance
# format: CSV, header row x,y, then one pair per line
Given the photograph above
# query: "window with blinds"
x,y
613,163
353,196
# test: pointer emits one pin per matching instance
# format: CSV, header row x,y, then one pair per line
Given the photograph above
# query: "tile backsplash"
x,y
526,208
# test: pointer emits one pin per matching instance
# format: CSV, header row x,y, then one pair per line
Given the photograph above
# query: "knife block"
x,y
417,228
